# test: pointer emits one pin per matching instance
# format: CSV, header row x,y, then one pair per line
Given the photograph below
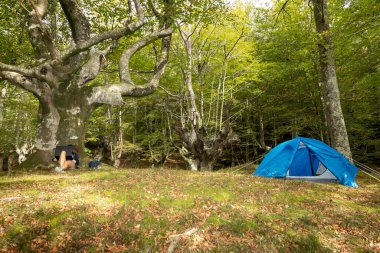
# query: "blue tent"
x,y
307,159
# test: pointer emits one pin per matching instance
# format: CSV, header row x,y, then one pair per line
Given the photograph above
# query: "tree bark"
x,y
331,94
120,140
3,93
261,129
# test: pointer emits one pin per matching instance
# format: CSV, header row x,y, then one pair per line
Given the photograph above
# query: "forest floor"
x,y
159,210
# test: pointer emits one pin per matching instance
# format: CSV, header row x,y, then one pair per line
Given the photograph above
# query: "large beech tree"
x,y
59,74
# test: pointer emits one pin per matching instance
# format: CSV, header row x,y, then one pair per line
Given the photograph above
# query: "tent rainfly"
x,y
307,159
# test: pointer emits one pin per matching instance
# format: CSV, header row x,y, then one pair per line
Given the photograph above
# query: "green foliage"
x,y
19,118
13,34
273,73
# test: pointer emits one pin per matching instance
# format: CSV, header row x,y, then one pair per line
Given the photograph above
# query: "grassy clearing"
x,y
138,210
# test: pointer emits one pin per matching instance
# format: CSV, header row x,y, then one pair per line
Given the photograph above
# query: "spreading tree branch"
x,y
114,34
236,42
40,37
125,75
113,93
282,9
79,25
27,83
28,73
156,13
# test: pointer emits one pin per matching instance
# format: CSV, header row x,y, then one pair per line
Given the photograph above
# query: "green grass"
x,y
138,210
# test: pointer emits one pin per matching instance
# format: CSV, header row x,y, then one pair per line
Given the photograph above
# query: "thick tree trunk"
x,y
62,121
74,111
46,136
202,162
199,152
331,95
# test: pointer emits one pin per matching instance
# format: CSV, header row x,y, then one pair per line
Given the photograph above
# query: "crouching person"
x,y
64,164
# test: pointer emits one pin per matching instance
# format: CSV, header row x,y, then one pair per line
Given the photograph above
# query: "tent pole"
x,y
311,164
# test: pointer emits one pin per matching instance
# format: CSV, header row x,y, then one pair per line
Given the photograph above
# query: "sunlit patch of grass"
x,y
217,193
179,204
295,213
222,195
58,219
215,220
353,205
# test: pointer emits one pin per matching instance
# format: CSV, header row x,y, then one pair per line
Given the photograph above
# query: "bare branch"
x,y
140,13
236,42
168,92
184,36
113,34
129,52
112,94
140,18
155,11
25,72
19,70
198,35
79,25
40,8
282,9
24,82
40,38
195,28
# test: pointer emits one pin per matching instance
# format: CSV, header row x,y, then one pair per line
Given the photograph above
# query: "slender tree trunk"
x,y
223,81
248,123
134,159
294,128
120,141
217,106
110,139
274,130
331,95
1,161
3,93
261,129
4,160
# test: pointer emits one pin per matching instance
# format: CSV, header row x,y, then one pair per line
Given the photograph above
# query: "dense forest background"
x,y
254,68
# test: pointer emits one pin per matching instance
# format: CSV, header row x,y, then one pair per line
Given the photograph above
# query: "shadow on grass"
x,y
304,244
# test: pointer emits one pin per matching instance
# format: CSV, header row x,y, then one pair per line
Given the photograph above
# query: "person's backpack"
x,y
94,164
